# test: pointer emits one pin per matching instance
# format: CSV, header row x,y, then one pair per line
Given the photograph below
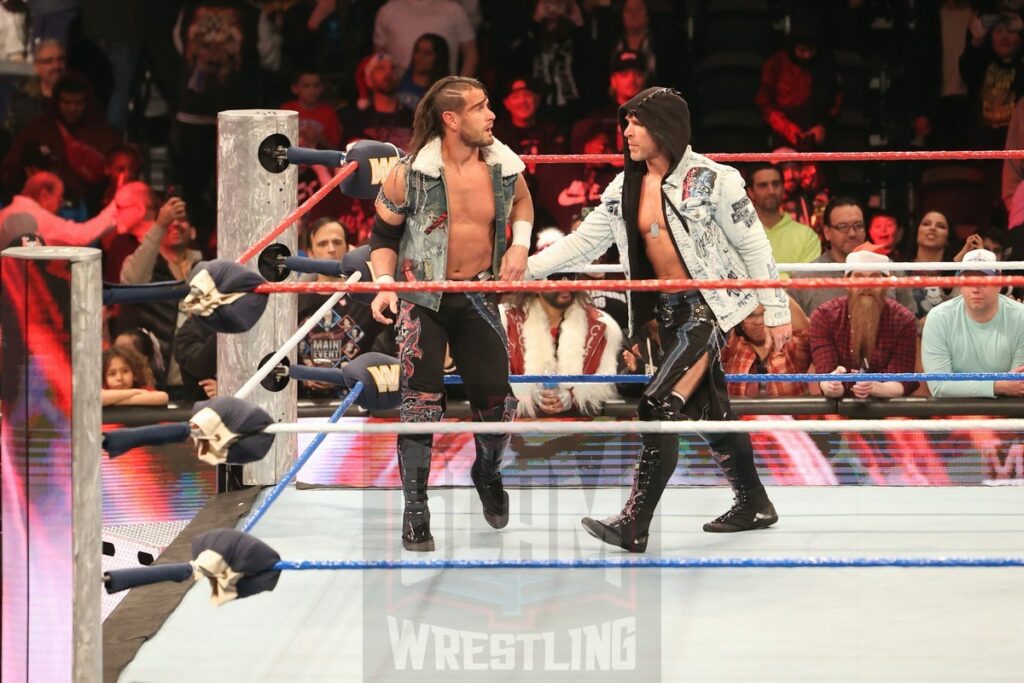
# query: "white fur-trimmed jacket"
x,y
589,343
725,239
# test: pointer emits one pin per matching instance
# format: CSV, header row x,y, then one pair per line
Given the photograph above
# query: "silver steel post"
x,y
50,498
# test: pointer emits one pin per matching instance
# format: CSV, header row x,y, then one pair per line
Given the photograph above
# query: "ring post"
x,y
50,499
251,202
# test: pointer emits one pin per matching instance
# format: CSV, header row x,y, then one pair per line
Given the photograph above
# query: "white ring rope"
x,y
632,427
293,341
910,266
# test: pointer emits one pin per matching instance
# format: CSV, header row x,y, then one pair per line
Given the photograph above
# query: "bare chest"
x,y
661,250
470,196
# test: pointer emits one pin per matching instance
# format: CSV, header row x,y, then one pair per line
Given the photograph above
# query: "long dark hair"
x,y
908,250
448,94
442,57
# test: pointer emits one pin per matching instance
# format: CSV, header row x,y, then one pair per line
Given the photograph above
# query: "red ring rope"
x,y
643,285
748,157
344,172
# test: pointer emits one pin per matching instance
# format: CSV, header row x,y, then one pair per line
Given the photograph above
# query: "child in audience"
x,y
318,120
127,379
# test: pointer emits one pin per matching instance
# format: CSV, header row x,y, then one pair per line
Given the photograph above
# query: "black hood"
x,y
665,114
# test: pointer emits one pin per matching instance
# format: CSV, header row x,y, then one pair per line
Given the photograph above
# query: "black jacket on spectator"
x,y
161,317
195,349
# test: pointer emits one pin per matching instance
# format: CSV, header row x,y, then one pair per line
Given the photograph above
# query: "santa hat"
x,y
547,237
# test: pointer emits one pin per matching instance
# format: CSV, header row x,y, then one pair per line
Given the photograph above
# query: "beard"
x,y
555,301
865,317
481,139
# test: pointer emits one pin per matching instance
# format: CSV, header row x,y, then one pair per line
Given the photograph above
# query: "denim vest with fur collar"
x,y
423,251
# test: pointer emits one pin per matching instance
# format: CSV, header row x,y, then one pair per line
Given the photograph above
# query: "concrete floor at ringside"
x,y
868,624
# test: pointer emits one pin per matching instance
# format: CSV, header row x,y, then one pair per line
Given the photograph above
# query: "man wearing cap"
x,y
865,331
626,79
673,213
442,214
520,127
978,331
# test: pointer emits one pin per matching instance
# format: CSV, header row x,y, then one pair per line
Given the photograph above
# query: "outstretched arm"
x,y
592,238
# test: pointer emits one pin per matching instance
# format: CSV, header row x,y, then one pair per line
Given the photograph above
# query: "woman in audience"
x,y
127,380
429,64
931,242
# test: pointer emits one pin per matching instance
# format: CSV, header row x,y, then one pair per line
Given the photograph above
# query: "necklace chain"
x,y
655,226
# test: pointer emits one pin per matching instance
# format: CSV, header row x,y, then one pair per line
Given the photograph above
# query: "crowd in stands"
x,y
110,140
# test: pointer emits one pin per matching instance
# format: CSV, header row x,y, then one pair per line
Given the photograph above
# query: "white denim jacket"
x,y
725,239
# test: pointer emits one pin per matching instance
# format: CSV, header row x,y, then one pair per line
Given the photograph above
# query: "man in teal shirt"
x,y
978,331
791,242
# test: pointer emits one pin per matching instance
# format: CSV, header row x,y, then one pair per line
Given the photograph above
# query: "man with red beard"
x,y
560,333
864,331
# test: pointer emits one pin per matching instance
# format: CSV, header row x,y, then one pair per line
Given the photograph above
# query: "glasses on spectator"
x,y
50,60
847,227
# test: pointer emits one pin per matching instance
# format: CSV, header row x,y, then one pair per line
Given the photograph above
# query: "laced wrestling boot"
x,y
654,467
751,508
629,529
486,470
414,467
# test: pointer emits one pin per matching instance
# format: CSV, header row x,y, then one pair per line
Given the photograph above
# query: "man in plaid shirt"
x,y
750,351
865,331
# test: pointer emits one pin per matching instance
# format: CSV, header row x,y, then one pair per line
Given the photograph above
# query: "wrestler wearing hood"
x,y
673,213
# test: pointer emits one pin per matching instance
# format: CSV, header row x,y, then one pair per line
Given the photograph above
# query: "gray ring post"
x,y
250,202
51,500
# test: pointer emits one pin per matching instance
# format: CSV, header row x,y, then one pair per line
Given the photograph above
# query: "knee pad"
x,y
651,409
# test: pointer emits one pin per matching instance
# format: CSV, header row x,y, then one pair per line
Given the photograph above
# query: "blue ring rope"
x,y
795,377
659,563
353,394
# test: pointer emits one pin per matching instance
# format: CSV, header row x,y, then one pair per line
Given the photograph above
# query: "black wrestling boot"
x,y
414,467
750,510
751,507
654,467
416,528
486,470
628,529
